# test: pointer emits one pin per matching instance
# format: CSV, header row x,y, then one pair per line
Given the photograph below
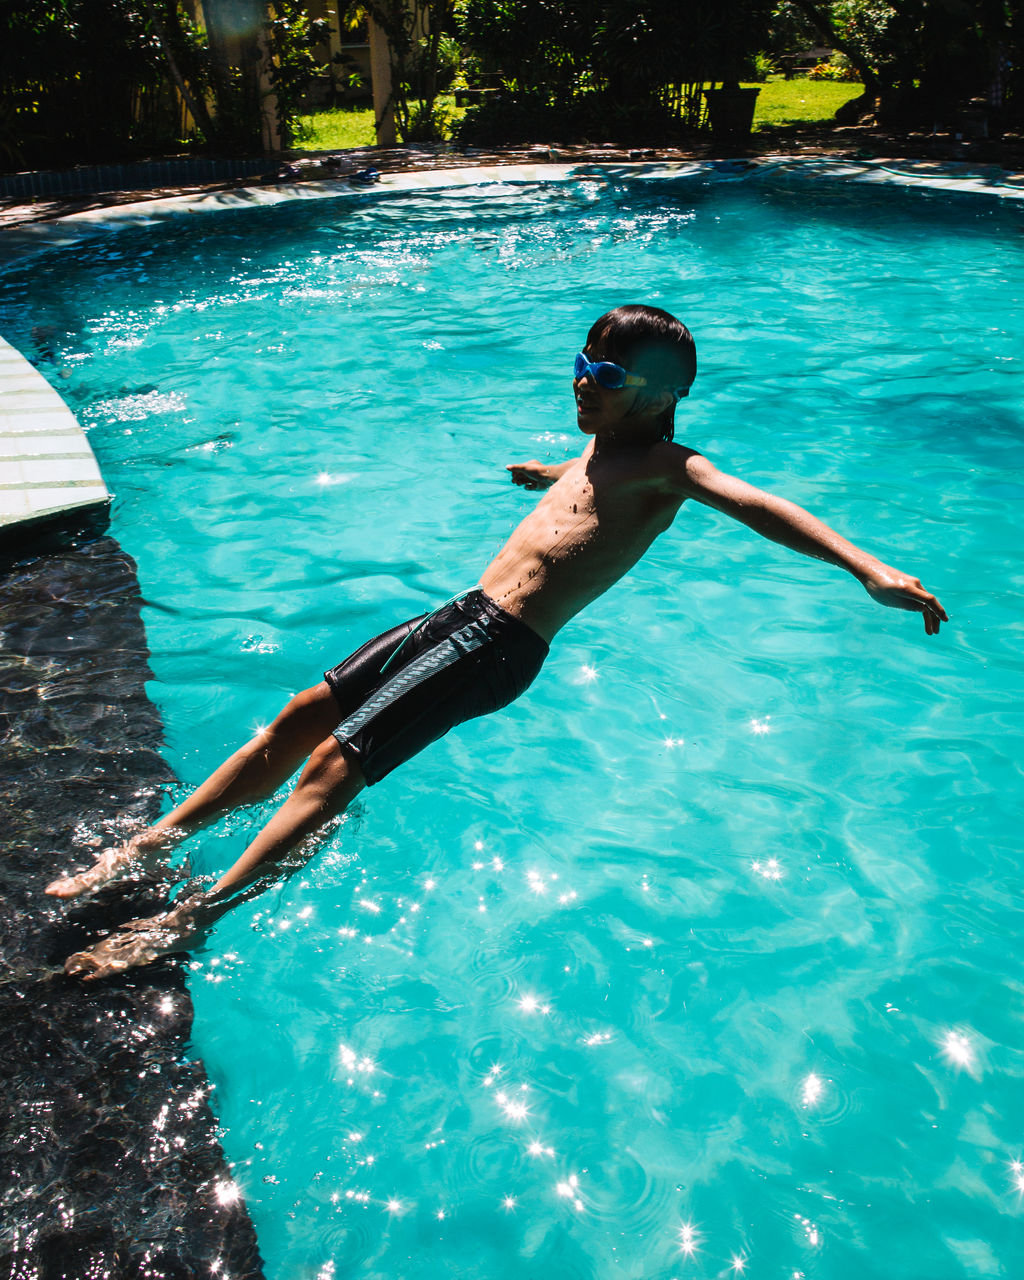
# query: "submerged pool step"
x,y
47,468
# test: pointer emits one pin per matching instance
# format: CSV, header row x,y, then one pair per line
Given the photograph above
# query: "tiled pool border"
x,y
47,466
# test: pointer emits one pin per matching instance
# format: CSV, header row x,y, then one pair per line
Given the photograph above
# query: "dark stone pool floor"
x,y
110,1163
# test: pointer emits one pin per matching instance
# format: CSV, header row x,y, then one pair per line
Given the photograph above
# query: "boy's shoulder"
x,y
678,465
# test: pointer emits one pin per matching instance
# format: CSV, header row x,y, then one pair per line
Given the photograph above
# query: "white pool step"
x,y
46,465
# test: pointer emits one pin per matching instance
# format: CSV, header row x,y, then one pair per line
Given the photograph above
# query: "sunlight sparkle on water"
x,y
760,727
1017,1174
812,1089
569,1190
228,1192
688,1239
957,1049
514,1108
353,1062
536,882
533,1004
767,870
810,1230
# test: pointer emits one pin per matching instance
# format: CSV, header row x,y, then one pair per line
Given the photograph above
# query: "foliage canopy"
x,y
88,80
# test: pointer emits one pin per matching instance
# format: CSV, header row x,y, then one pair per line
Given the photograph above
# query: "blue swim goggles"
x,y
610,376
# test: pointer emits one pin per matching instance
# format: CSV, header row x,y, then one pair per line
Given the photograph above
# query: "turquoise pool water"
x,y
702,959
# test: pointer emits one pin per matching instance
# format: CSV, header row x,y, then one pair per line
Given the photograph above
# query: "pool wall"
x,y
111,1157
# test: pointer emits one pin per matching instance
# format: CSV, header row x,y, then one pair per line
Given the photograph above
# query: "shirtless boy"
x,y
409,686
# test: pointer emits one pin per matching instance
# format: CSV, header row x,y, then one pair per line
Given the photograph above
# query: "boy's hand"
x,y
899,591
531,475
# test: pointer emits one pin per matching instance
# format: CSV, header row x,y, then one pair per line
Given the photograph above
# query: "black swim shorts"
x,y
466,660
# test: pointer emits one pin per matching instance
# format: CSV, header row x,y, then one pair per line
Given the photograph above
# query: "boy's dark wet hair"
x,y
650,342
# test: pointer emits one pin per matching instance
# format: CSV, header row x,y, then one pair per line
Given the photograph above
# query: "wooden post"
x,y
380,76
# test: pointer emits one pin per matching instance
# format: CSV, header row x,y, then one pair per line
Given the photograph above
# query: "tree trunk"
x,y
196,105
233,31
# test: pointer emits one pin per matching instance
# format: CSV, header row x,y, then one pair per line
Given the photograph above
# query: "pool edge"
x,y
125,1173
19,242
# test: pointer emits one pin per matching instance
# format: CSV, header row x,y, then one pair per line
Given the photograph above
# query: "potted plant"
x,y
731,110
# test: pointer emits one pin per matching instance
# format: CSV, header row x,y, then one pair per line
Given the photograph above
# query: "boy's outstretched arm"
x,y
791,526
538,475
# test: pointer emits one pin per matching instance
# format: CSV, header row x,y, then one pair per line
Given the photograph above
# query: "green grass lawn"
x,y
801,101
336,130
780,102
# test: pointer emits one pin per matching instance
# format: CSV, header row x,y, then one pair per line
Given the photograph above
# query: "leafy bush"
x,y
837,68
503,120
82,82
760,67
608,70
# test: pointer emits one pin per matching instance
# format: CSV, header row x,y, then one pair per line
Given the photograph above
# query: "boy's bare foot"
x,y
136,943
112,864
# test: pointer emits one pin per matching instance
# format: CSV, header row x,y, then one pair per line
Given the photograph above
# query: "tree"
x,y
633,68
840,25
418,48
936,53
74,76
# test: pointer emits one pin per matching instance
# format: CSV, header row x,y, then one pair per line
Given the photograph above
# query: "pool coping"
x,y
53,471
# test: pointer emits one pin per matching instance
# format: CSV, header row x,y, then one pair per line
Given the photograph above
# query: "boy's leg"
x,y
254,771
327,786
260,767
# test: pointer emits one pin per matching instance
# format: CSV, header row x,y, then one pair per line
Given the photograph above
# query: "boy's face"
x,y
625,412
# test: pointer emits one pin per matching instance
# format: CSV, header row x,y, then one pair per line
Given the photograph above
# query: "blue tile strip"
x,y
127,177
